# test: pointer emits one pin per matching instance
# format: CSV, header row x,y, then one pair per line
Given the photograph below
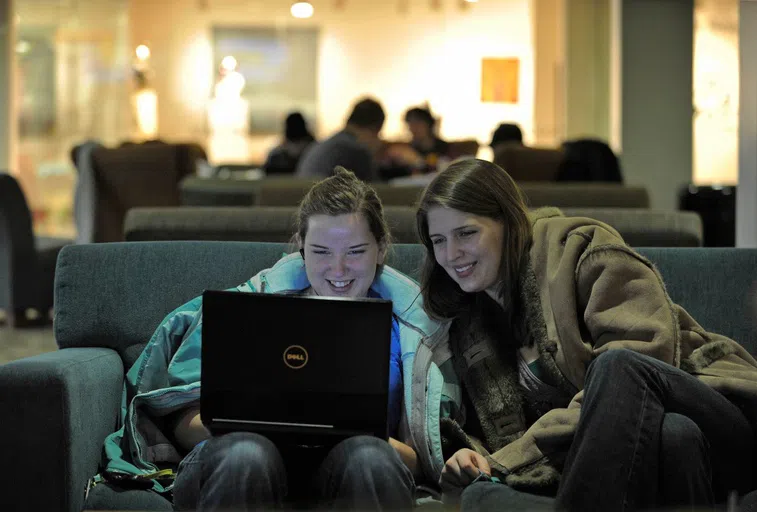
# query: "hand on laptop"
x,y
463,468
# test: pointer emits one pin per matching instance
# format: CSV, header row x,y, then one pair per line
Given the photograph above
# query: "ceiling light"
x,y
302,10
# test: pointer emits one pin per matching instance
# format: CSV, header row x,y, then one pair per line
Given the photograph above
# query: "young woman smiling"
x,y
343,240
580,379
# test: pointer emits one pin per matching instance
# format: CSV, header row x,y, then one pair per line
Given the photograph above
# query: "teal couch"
x,y
56,408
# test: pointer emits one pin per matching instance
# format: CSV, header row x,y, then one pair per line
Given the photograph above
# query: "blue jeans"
x,y
246,471
650,435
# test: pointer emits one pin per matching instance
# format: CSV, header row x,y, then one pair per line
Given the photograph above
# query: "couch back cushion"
x,y
526,163
196,191
17,252
115,295
585,195
136,175
638,226
251,224
717,286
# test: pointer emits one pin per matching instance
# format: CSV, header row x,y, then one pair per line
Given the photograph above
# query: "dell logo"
x,y
295,357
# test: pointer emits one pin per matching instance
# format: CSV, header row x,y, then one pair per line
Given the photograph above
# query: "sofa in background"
x,y
196,191
57,408
290,191
585,195
639,227
251,224
113,180
528,163
27,262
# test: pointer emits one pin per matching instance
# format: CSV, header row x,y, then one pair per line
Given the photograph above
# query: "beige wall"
x,y
549,69
573,49
657,57
588,46
367,48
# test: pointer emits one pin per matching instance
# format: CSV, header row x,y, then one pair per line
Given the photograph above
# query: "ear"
x,y
300,245
381,253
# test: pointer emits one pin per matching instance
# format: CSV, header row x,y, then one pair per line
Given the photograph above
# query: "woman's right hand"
x,y
462,468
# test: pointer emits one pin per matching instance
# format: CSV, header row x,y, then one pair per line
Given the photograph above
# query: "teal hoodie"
x,y
166,376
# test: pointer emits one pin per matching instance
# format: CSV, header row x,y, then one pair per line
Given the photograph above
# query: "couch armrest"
x,y
55,411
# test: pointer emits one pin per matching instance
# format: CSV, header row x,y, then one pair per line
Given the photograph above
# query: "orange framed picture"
x,y
499,79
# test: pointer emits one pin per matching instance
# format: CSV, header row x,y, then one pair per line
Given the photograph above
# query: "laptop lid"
x,y
307,368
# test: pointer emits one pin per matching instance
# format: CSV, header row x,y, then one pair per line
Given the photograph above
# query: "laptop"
x,y
298,370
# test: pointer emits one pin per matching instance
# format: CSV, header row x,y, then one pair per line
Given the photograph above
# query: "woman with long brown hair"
x,y
580,379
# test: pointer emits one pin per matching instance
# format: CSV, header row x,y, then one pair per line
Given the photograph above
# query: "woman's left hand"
x,y
407,454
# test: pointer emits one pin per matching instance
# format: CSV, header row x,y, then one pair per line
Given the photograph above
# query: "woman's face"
x,y
468,247
341,255
418,128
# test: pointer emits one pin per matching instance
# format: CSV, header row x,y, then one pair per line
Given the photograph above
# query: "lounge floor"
x,y
20,343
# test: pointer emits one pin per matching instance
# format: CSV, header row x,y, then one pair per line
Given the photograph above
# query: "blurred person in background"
x,y
425,142
355,147
283,159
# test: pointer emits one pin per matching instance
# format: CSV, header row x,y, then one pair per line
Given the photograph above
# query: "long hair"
x,y
481,188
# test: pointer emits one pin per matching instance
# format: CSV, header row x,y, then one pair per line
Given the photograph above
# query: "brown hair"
x,y
480,188
343,193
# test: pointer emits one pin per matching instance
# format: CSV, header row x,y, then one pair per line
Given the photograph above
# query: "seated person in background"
x,y
343,240
586,387
425,142
355,147
283,159
423,155
506,133
589,159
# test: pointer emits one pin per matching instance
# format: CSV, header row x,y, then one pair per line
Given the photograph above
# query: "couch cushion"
x,y
585,195
251,224
525,163
640,227
197,191
256,224
717,286
105,496
115,295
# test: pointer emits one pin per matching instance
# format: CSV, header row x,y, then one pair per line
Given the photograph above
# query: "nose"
x,y
339,265
453,250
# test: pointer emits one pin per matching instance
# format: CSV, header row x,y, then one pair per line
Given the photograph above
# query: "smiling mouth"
x,y
340,285
465,268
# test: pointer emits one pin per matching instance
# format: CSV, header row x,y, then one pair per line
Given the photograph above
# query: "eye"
x,y
320,251
467,233
357,251
437,241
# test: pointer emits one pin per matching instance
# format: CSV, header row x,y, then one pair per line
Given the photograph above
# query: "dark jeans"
x,y
245,471
649,436
617,460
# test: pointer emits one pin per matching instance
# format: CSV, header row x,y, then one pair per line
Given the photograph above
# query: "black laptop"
x,y
300,370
